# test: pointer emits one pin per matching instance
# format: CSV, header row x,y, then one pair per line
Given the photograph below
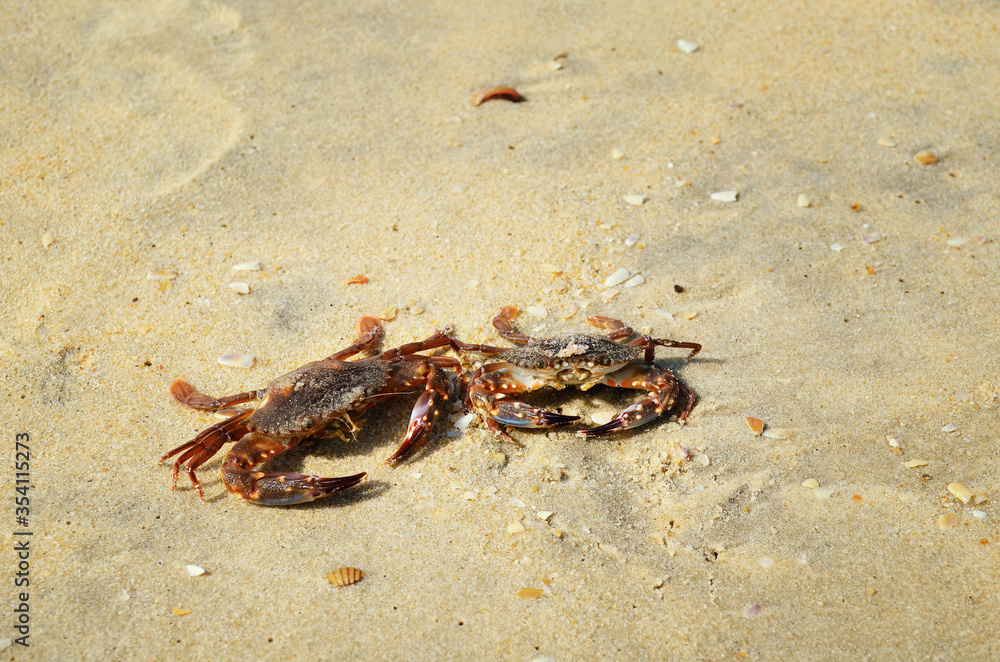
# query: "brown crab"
x,y
578,359
318,399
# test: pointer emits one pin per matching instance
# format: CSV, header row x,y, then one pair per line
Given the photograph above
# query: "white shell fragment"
x,y
48,239
979,514
464,421
247,266
544,514
162,274
538,311
631,239
803,200
810,483
752,610
634,280
236,360
685,46
725,196
776,433
515,527
913,464
602,417
240,288
836,247
961,491
194,570
617,278
635,199
951,427
617,154
871,237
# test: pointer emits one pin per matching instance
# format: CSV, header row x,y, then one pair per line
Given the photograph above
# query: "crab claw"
x,y
638,414
286,489
522,415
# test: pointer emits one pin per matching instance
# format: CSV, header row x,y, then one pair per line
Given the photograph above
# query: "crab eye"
x,y
540,364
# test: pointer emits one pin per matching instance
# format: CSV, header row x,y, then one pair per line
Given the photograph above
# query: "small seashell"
x,y
687,315
247,266
538,311
617,154
885,142
602,417
143,328
389,314
240,288
544,514
836,247
777,433
345,576
617,278
515,527
417,310
685,46
631,239
961,491
924,157
979,514
194,570
751,611
635,199
464,421
951,427
755,424
957,241
803,200
360,279
634,280
162,274
514,501
530,593
810,483
48,239
609,294
824,494
946,521
507,93
725,196
871,237
892,441
912,464
236,360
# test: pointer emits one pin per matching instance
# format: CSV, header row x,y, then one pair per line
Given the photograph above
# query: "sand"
x,y
331,140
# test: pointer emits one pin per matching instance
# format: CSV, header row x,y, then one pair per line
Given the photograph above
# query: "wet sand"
x,y
330,141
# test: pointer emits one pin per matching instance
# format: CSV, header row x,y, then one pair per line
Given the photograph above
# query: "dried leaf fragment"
x,y
530,593
360,279
755,424
506,93
345,576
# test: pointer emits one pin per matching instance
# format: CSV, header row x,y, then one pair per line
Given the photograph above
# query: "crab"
x,y
582,360
324,398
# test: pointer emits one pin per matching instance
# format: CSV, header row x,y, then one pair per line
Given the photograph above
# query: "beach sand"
x,y
331,140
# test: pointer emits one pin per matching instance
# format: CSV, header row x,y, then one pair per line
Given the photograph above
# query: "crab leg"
x,y
502,323
616,328
489,396
650,345
186,394
426,410
663,388
200,450
278,489
369,331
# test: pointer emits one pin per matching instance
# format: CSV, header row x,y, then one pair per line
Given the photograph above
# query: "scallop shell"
x,y
345,576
